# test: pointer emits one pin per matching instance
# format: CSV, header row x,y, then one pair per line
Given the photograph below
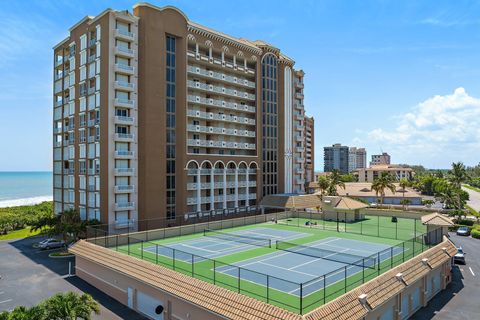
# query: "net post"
x,y
156,253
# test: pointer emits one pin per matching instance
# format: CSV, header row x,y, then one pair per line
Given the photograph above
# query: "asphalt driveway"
x,y
460,300
474,201
29,276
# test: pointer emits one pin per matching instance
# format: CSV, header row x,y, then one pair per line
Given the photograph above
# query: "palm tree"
x,y
323,184
385,181
405,203
71,306
403,184
458,174
24,313
334,180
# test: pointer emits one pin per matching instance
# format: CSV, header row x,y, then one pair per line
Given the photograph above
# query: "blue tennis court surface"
x,y
285,266
212,247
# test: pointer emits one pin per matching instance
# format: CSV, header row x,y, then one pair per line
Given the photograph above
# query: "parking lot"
x,y
29,276
459,300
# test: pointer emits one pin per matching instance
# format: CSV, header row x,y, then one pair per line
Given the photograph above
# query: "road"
x,y
29,276
474,201
460,300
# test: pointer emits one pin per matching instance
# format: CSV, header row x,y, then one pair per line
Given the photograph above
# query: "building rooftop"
x,y
364,189
385,167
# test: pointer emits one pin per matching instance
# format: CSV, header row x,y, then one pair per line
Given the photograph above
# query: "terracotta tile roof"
x,y
346,203
364,189
219,300
383,287
437,219
291,201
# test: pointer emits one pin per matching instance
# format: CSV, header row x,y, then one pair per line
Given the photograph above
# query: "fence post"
x,y
173,259
324,289
396,230
413,243
415,227
193,262
379,262
128,245
361,227
403,251
141,250
268,287
363,270
345,278
116,243
156,253
301,298
391,257
214,267
238,280
378,226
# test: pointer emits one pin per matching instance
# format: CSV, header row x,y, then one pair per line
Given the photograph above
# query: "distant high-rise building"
x,y
377,159
335,158
357,158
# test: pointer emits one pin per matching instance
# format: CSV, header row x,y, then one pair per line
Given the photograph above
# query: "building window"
x,y
170,125
270,124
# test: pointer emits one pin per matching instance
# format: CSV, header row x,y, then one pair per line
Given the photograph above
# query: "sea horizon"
x,y
18,188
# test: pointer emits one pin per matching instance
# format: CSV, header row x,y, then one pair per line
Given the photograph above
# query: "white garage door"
x,y
150,306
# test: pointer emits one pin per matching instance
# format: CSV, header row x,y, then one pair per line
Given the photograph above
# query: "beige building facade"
x,y
373,172
156,116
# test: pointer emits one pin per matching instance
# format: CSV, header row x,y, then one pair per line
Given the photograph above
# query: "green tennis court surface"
x,y
297,263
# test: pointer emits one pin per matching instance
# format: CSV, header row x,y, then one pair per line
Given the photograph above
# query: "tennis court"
x,y
218,244
337,258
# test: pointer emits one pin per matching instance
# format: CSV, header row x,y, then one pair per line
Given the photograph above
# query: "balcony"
x,y
57,144
220,144
220,117
299,181
92,58
124,171
197,85
299,149
221,131
92,42
124,206
299,95
299,171
122,85
125,52
299,159
93,122
58,76
221,76
57,130
124,154
124,34
299,85
123,120
217,62
125,103
128,137
299,127
58,62
121,68
124,189
220,103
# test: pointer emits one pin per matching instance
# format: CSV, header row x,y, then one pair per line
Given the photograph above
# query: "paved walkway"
x,y
474,201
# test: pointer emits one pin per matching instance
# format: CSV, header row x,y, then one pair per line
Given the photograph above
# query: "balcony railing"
x,y
220,90
221,76
124,85
220,103
124,153
121,102
124,205
124,33
124,171
122,67
124,50
124,188
215,61
124,136
219,117
220,144
122,119
220,130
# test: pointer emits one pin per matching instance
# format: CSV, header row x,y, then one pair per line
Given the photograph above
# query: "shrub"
x,y
464,222
475,234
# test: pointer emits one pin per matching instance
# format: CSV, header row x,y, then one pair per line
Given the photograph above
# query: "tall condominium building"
x,y
310,160
335,158
383,158
357,158
157,116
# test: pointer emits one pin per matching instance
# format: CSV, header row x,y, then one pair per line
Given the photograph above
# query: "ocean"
x,y
25,188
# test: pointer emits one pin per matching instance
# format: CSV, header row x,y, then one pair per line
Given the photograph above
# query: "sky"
x,y
401,77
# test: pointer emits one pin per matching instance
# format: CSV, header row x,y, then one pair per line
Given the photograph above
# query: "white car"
x,y
51,243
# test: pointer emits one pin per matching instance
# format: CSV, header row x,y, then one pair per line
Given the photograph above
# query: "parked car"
x,y
463,231
460,256
51,243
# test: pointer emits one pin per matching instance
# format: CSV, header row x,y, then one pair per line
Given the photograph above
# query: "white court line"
x,y
196,248
473,274
5,301
300,272
318,259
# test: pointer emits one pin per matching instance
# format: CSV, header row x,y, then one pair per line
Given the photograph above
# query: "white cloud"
x,y
436,132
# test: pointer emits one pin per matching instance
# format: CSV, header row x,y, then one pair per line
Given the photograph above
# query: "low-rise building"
x,y
370,174
363,191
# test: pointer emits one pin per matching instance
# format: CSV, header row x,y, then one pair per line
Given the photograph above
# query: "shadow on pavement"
x,y
440,300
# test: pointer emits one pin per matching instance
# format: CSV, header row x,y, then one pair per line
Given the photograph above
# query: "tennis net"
x,y
259,242
351,259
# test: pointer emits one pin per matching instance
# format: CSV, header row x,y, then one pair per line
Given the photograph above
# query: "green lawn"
x,y
17,234
392,234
